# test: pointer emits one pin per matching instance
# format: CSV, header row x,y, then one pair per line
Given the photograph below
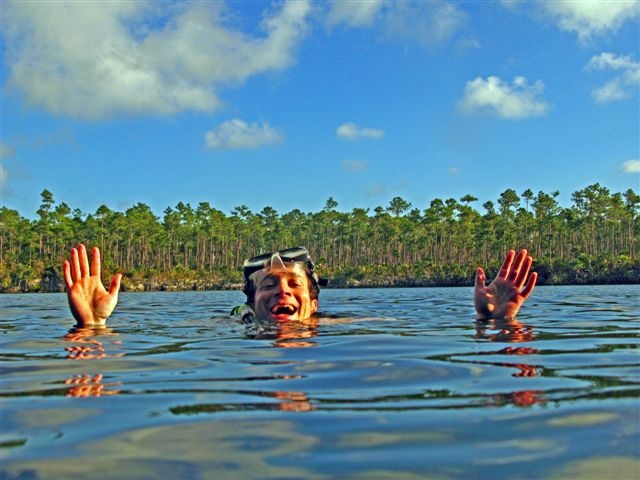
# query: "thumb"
x,y
480,278
114,287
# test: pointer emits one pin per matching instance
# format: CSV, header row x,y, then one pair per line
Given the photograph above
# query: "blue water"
x,y
391,383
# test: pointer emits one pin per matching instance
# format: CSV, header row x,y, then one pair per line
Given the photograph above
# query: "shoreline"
x,y
193,286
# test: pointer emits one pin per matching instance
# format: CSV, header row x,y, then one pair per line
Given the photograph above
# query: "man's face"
x,y
283,294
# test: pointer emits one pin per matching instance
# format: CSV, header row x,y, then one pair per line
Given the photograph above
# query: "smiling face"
x,y
284,294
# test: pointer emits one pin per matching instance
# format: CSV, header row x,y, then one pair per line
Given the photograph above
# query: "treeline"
x,y
595,240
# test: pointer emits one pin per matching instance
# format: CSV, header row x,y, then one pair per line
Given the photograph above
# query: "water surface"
x,y
394,383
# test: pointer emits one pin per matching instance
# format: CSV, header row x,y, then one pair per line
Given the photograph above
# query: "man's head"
x,y
282,285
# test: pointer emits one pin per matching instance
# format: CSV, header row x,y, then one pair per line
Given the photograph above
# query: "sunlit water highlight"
x,y
394,383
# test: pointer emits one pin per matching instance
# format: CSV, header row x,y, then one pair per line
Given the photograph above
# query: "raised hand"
x,y
508,291
90,303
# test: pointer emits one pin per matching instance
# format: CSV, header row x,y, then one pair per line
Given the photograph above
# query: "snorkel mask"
x,y
292,259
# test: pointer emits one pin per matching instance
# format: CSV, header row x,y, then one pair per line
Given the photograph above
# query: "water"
x,y
396,383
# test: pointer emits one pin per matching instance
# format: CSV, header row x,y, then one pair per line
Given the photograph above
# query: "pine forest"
x,y
595,240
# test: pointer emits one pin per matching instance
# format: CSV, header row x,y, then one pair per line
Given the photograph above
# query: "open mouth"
x,y
283,309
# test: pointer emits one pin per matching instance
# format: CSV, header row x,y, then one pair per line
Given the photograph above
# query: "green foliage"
x,y
594,240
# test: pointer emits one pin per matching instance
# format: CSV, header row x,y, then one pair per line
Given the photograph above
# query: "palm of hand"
x,y
89,300
501,299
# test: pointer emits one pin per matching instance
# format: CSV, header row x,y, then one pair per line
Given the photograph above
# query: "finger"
x,y
96,265
506,266
529,286
524,272
114,287
66,267
75,265
481,278
84,260
517,265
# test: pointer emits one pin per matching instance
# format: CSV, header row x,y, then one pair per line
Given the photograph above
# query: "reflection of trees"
x,y
88,348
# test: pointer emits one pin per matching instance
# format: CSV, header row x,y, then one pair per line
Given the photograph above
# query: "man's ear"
x,y
314,305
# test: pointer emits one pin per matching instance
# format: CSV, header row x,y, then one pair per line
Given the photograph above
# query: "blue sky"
x,y
286,104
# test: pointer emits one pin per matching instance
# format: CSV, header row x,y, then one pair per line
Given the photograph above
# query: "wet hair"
x,y
250,288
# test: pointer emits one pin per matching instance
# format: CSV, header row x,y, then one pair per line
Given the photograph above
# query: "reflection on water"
x,y
87,346
396,383
285,334
89,386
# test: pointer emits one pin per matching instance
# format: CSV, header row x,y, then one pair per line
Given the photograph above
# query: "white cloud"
x,y
454,170
236,133
353,14
492,95
352,131
424,22
101,59
621,86
611,61
631,166
590,18
3,175
428,23
468,44
354,165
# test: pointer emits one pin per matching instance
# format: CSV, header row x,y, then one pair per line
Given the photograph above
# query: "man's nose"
x,y
284,288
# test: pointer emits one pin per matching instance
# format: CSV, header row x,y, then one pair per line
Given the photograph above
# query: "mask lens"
x,y
258,262
294,254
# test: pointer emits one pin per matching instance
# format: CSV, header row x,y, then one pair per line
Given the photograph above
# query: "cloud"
x,y
631,166
352,131
453,170
590,18
353,14
354,165
427,23
621,86
102,59
236,134
468,44
493,96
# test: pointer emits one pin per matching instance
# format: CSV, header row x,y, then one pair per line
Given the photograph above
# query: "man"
x,y
282,286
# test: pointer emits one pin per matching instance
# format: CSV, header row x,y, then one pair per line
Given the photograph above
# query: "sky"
x,y
285,104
